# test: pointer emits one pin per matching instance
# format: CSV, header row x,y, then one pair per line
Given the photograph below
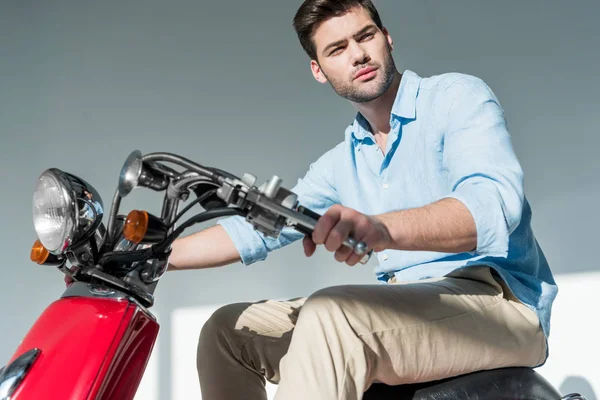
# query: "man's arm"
x,y
233,239
208,248
445,226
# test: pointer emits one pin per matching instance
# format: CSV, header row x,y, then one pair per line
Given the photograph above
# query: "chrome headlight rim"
x,y
62,184
84,210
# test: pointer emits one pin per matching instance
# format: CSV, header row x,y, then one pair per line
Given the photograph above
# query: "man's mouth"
x,y
365,73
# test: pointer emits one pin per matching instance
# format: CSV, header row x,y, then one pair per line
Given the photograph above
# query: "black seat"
x,y
498,384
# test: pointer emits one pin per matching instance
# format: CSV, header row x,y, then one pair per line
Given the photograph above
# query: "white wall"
x,y
573,365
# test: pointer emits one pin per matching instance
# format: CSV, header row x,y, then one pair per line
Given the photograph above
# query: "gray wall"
x,y
225,83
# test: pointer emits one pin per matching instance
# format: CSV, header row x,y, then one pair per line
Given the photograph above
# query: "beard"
x,y
364,92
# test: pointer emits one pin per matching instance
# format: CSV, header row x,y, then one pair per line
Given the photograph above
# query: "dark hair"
x,y
313,13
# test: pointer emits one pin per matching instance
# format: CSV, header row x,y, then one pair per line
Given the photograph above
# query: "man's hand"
x,y
337,224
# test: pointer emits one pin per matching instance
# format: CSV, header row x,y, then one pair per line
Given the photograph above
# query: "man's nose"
x,y
359,55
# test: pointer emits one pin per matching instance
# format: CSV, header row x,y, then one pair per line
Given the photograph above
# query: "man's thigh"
x,y
436,328
262,331
269,317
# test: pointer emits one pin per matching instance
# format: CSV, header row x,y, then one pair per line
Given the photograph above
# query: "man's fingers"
x,y
325,224
343,253
354,259
339,223
309,246
372,238
338,234
362,229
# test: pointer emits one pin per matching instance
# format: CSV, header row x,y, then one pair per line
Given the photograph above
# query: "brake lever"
x,y
304,220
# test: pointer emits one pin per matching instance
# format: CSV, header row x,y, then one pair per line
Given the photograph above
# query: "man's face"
x,y
354,56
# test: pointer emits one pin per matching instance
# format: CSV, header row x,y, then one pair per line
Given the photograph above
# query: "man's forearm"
x,y
445,226
209,248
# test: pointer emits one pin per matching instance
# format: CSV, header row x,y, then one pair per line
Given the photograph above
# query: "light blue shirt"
x,y
448,139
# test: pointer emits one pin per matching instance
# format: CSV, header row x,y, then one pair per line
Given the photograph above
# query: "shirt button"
x,y
385,186
384,257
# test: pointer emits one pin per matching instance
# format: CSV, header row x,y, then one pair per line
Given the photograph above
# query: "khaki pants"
x,y
337,342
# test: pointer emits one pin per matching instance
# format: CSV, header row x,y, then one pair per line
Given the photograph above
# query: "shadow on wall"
x,y
578,384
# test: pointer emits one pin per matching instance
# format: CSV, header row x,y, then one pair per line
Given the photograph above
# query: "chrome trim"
x,y
272,187
183,182
89,206
573,396
100,235
64,187
169,210
153,271
130,173
85,212
185,163
123,244
138,294
112,219
13,374
85,289
270,204
135,172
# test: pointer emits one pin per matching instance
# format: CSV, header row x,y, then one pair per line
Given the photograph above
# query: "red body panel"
x,y
91,348
129,359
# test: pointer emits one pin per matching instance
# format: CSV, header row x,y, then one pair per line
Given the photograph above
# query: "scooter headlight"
x,y
64,209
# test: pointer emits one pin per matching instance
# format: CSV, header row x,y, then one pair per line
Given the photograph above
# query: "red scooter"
x,y
115,270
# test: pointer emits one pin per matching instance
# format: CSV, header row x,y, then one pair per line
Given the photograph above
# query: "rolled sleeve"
x,y
247,241
482,167
315,191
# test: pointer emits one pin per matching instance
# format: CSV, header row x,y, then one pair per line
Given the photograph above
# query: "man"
x,y
427,177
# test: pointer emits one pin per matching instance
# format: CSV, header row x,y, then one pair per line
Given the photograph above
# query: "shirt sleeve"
x,y
482,167
315,191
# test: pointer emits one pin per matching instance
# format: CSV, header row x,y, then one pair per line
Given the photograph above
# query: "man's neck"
x,y
377,112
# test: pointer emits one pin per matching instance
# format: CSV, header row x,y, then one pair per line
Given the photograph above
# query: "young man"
x,y
427,177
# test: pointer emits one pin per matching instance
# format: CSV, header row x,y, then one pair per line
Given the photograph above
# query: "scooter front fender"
x,y
87,348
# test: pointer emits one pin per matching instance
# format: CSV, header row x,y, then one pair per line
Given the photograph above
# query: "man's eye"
x,y
335,51
367,36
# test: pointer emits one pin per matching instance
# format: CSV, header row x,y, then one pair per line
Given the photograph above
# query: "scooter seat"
x,y
498,384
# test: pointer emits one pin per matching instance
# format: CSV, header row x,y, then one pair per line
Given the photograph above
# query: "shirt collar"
x,y
405,104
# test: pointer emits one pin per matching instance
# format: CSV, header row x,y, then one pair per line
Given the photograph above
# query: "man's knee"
x,y
220,327
327,306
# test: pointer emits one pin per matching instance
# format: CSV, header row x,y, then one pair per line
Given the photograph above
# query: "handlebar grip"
x,y
304,230
309,213
359,248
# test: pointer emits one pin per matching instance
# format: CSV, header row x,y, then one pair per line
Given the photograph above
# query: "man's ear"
x,y
389,38
317,73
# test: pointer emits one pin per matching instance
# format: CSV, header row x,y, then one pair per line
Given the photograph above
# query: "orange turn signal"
x,y
39,254
136,226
